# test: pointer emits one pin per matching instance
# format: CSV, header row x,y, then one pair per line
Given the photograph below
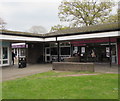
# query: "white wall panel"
x,y
62,38
20,38
87,36
50,39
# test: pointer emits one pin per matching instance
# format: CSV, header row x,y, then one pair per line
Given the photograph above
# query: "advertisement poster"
x,y
107,52
82,49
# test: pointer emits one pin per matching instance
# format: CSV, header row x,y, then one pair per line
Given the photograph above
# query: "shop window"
x,y
65,44
22,52
48,58
53,44
48,51
4,57
5,61
53,51
5,53
65,50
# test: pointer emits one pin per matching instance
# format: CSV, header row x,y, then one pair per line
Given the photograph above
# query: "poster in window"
x,y
107,52
75,50
82,49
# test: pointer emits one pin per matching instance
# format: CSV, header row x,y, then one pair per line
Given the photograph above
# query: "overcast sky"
x,y
21,15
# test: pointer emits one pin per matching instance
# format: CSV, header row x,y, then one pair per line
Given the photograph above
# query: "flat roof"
x,y
72,31
87,29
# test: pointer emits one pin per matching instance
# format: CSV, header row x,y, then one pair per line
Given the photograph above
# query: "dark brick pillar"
x,y
35,53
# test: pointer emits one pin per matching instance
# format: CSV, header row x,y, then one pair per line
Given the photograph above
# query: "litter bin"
x,y
22,62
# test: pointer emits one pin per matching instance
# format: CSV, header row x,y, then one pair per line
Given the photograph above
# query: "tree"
x,y
2,24
37,29
58,27
113,18
85,12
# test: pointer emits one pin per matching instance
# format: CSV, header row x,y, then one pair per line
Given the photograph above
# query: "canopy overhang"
x,y
59,38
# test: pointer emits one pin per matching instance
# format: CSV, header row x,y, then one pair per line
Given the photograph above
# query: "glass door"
x,y
47,54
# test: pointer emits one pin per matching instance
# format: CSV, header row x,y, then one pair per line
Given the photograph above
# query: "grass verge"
x,y
49,86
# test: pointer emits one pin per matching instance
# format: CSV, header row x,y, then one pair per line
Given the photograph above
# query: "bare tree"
x,y
2,24
37,29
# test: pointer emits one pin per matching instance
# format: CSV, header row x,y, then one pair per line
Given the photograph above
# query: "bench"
x,y
73,66
72,59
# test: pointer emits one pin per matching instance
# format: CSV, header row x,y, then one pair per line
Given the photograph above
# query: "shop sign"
x,y
83,42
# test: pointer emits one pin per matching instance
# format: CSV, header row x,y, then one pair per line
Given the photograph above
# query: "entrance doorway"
x,y
47,54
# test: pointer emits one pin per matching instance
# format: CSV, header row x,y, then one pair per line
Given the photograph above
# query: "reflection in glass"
x,y
5,53
54,51
5,61
65,50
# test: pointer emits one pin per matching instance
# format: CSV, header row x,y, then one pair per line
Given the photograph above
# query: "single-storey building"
x,y
95,43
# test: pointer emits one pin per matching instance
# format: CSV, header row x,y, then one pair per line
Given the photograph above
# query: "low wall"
x,y
73,66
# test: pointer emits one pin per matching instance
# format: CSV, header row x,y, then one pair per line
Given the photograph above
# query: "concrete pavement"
x,y
13,72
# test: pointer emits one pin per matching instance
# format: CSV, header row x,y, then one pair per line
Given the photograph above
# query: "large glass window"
x,y
5,53
4,56
54,51
22,52
65,50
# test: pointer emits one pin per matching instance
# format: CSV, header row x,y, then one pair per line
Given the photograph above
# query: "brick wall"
x,y
73,66
35,53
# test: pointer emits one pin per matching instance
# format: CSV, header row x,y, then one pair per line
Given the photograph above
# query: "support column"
x,y
71,49
26,53
58,50
43,52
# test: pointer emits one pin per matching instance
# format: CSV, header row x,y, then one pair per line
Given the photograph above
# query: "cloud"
x,y
23,15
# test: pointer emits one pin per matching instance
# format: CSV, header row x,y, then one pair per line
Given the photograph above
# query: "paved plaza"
x,y
13,72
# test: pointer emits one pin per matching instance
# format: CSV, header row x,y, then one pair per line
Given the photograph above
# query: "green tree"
x,y
84,12
113,18
58,27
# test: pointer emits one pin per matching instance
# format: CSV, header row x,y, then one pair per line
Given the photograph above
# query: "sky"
x,y
21,15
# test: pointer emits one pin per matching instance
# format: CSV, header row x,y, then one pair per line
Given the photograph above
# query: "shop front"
x,y
98,43
101,50
96,50
19,49
52,51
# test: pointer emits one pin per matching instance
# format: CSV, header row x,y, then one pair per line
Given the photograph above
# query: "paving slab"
x,y
106,68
